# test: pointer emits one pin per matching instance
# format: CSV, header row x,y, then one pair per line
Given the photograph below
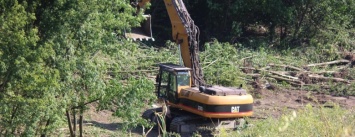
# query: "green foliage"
x,y
221,63
341,89
58,55
28,97
88,45
282,23
336,25
162,124
129,99
309,121
335,89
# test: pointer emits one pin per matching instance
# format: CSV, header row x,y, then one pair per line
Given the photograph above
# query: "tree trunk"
x,y
45,128
300,19
69,124
81,121
13,114
272,31
74,122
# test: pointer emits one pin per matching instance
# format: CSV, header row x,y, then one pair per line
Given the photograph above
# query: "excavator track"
x,y
188,124
179,125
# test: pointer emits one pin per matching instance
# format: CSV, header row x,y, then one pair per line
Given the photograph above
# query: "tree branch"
x,y
80,106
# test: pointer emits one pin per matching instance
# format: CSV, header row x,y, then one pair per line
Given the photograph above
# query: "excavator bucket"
x,y
144,32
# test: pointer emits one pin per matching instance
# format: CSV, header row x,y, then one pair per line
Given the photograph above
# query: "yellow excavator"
x,y
193,104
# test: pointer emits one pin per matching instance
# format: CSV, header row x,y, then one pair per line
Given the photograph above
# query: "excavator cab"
x,y
144,32
171,79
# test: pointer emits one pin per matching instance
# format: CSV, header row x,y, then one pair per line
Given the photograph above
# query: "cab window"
x,y
172,94
183,78
164,83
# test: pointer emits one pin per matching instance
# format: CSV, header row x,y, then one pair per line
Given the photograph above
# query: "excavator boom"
x,y
184,32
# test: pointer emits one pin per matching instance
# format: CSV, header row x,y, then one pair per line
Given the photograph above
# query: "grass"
x,y
309,121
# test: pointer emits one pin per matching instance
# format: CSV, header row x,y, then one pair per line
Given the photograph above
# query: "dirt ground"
x,y
273,103
270,104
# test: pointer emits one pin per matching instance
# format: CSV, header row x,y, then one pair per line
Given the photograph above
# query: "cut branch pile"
x,y
299,76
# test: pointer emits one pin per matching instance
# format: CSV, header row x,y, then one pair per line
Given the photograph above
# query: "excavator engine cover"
x,y
222,91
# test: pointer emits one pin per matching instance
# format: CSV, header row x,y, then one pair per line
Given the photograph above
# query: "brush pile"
x,y
323,75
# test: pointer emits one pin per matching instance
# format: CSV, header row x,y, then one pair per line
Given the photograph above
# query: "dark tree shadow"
x,y
106,126
119,127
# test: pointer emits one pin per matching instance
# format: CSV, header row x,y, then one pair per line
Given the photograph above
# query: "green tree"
x,y
291,22
27,83
58,56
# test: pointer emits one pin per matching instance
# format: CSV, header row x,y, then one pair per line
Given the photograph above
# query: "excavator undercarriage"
x,y
186,123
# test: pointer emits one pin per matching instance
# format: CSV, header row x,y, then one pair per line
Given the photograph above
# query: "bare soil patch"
x,y
274,103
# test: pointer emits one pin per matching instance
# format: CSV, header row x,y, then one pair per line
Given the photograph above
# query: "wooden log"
x,y
287,66
324,72
254,75
272,72
329,78
289,77
286,79
329,63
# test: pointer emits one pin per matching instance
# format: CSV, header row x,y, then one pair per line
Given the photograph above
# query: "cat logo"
x,y
200,108
235,109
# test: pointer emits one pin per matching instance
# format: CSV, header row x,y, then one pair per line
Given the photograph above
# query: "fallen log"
x,y
254,75
289,77
271,72
325,72
329,63
329,78
287,66
294,81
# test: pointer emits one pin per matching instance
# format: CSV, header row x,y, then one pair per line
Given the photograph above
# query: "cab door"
x,y
172,88
167,88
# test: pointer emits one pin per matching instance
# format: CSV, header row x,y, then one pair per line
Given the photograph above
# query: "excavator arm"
x,y
184,32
